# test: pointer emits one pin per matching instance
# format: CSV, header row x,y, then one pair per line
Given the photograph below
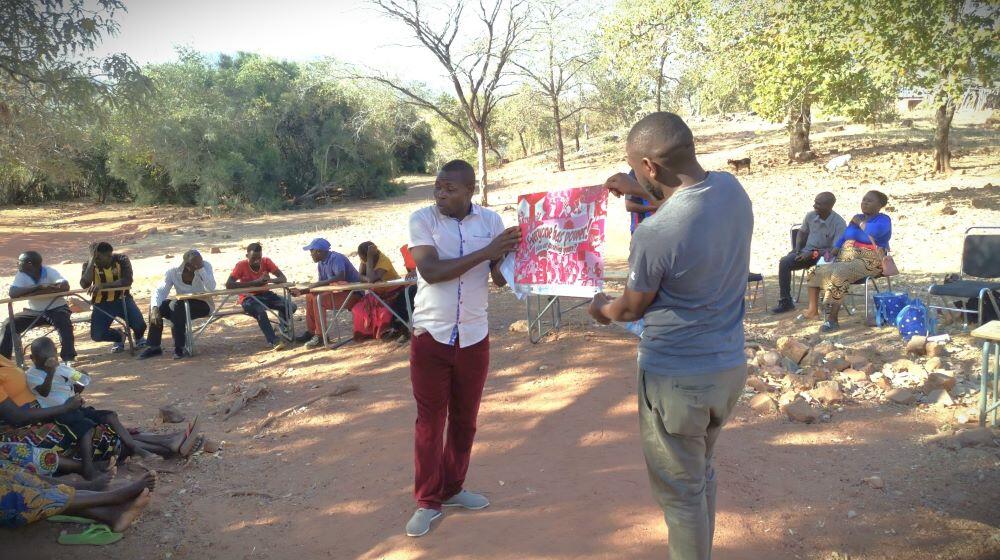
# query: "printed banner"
x,y
562,242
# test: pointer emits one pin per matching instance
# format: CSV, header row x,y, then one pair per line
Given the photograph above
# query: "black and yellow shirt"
x,y
121,268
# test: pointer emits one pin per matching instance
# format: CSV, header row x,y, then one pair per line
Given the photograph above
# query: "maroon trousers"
x,y
447,385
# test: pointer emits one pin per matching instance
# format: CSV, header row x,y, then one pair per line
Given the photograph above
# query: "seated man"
x,y
332,267
35,280
107,269
194,276
256,270
819,231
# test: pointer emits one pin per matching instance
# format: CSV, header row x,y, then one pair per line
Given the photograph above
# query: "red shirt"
x,y
243,273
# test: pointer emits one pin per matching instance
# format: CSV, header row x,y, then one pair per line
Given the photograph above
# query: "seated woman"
x,y
376,267
29,495
858,252
22,420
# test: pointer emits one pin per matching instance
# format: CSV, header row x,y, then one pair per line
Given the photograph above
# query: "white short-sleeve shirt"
x,y
455,308
41,303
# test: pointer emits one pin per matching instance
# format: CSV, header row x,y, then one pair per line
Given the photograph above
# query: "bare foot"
x,y
134,510
100,482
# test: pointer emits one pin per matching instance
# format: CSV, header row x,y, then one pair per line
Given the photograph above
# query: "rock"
x,y
939,380
935,350
884,383
857,361
758,384
939,397
875,482
210,446
838,364
903,365
787,397
769,358
824,348
800,411
792,349
749,353
168,256
852,514
813,358
917,346
901,396
966,416
789,364
827,392
170,415
763,404
856,376
802,382
67,261
982,203
520,326
976,437
821,374
215,250
935,363
151,231
948,210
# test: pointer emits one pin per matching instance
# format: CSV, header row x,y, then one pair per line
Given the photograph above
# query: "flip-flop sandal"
x,y
71,519
96,535
198,443
191,425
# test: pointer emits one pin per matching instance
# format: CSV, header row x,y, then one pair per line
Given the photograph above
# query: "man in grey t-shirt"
x,y
688,267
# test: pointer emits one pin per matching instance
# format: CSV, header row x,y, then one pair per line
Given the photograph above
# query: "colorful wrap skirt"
x,y
33,459
61,439
852,264
25,498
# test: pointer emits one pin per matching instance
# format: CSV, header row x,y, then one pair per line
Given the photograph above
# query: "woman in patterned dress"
x,y
859,253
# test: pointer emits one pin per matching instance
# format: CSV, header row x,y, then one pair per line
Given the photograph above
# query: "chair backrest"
x,y
408,261
795,234
981,255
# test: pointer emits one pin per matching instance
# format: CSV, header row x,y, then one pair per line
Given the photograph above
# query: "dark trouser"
x,y
400,307
174,312
100,323
58,317
447,385
679,421
785,267
258,310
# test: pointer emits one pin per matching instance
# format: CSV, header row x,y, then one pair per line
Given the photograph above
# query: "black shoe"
x,y
784,306
150,352
304,337
179,354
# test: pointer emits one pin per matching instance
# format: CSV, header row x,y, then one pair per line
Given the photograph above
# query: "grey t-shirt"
x,y
694,252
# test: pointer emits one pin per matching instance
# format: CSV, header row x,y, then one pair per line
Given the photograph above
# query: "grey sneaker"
x,y
468,500
420,523
314,342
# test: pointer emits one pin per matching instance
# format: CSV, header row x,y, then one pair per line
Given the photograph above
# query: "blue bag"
x,y
915,319
887,307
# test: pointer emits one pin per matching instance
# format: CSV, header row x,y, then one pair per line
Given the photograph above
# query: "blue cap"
x,y
318,244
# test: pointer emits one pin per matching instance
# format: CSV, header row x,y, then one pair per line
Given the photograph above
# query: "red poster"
x,y
562,241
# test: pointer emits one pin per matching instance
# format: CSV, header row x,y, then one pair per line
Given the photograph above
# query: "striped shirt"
x,y
121,268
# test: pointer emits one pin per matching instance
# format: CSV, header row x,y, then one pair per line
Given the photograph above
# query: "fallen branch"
x,y
272,418
241,401
251,494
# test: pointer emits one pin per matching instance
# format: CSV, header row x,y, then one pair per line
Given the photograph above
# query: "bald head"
x,y
662,137
823,204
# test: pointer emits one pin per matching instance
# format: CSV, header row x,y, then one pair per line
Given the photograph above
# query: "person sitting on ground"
x,y
106,269
35,280
53,384
194,276
332,268
38,497
858,252
257,270
820,229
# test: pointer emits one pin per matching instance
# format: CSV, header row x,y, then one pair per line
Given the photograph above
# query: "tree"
x,y
477,75
947,47
557,58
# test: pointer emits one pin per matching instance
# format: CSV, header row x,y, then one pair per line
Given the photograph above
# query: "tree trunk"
x,y
576,137
560,149
524,146
799,123
942,151
659,85
481,152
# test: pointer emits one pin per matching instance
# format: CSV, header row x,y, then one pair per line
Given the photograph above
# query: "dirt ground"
x,y
557,450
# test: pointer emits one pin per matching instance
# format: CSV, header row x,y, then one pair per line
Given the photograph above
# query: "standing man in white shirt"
x,y
194,276
35,280
457,246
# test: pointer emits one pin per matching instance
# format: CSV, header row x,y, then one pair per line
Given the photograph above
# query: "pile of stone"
x,y
808,383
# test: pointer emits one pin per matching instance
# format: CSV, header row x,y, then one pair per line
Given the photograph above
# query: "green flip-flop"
x,y
97,534
71,519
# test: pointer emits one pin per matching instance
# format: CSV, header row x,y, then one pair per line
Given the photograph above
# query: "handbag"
x,y
888,264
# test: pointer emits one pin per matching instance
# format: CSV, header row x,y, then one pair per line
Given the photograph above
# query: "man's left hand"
x,y
596,308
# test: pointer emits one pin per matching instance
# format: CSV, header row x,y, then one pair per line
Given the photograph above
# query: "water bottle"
x,y
635,327
78,377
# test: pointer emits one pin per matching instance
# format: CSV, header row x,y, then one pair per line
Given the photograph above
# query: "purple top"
x,y
337,267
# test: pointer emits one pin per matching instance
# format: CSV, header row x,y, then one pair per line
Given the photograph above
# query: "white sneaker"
x,y
420,524
467,500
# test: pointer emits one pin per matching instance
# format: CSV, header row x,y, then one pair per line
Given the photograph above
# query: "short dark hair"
x,y
103,248
189,254
31,256
363,248
882,198
663,137
458,165
42,346
255,247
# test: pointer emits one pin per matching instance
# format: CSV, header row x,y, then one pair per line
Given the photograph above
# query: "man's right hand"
x,y
623,184
504,243
154,317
